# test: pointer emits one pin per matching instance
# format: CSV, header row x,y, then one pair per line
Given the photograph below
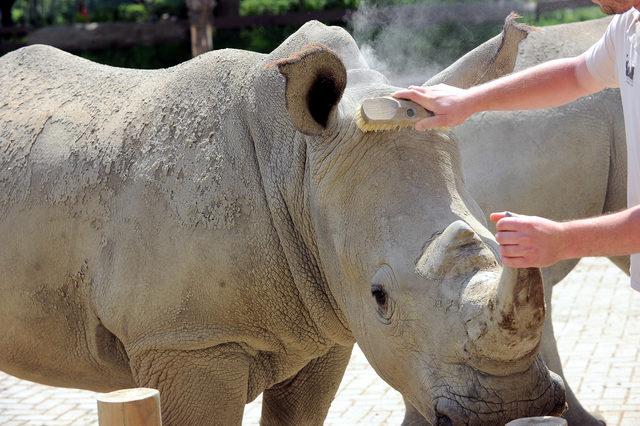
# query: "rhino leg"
x,y
576,414
305,398
412,417
197,387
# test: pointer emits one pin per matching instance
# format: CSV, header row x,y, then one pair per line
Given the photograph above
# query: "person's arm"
x,y
530,241
545,85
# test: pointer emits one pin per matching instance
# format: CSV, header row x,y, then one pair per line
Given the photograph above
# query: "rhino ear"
x,y
492,59
315,80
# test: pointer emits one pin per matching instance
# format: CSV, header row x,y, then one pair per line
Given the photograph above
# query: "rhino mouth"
x,y
488,406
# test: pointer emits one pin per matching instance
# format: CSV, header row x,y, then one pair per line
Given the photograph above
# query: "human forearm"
x,y
530,241
616,234
546,85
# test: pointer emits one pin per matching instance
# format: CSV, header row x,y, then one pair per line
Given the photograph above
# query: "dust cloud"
x,y
405,44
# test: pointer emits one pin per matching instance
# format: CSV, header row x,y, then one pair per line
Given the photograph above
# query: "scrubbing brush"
x,y
387,113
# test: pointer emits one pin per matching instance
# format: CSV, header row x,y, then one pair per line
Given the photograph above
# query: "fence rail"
x,y
96,36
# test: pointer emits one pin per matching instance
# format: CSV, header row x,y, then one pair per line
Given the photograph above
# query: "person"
x,y
529,241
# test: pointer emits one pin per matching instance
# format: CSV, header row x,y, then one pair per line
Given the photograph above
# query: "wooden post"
x,y
538,421
201,25
129,407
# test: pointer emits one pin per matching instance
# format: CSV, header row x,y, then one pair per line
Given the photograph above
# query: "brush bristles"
x,y
379,125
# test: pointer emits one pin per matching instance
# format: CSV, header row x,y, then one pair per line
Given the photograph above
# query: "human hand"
x,y
450,105
528,241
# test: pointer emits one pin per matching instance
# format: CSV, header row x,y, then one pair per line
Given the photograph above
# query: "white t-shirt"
x,y
614,60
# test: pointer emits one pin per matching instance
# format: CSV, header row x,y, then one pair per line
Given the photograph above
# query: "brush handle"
x,y
408,110
390,109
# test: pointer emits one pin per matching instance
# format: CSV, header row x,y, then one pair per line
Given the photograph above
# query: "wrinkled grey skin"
x,y
561,163
221,229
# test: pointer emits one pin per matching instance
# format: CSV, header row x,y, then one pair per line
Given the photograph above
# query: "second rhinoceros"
x,y
222,229
562,163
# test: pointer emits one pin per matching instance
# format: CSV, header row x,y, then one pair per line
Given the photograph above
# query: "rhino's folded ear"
x,y
492,59
315,80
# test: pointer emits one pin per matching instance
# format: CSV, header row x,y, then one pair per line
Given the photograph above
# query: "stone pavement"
x,y
597,320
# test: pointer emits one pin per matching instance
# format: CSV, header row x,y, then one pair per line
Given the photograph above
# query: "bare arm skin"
x,y
550,84
530,241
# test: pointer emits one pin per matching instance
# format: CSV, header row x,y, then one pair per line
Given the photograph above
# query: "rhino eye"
x,y
383,280
380,295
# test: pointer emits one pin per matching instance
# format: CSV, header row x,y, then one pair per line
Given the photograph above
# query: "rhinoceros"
x,y
561,163
222,229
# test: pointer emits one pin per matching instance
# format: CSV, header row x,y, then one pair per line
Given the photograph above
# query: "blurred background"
x,y
408,40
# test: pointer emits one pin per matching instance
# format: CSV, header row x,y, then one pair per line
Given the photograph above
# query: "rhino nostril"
x,y
442,420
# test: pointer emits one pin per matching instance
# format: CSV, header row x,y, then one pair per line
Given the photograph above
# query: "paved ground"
x,y
597,319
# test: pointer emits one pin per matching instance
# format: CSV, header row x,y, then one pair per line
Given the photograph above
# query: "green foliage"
x,y
260,7
565,16
315,4
135,12
58,12
167,7
45,12
17,15
275,7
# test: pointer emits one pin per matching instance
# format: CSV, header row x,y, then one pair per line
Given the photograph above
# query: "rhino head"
x,y
397,246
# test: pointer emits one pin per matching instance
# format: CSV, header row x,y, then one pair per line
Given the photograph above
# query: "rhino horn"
x,y
509,325
492,59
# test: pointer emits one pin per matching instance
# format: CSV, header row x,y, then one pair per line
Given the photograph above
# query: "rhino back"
x,y
71,126
559,41
561,163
